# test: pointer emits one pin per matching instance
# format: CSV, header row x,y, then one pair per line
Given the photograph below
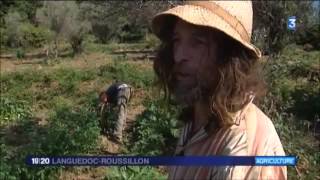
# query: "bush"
x,y
71,132
16,83
20,53
13,110
134,173
20,33
4,38
69,79
27,35
114,21
151,41
290,84
309,35
129,73
66,19
13,21
155,131
271,33
129,32
293,105
297,142
68,132
32,36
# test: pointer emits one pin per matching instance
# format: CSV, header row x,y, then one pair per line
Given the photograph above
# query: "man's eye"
x,y
196,42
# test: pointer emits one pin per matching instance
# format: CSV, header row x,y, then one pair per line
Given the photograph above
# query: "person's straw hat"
x,y
234,18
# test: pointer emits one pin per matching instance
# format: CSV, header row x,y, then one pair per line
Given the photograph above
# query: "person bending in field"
x,y
117,95
207,62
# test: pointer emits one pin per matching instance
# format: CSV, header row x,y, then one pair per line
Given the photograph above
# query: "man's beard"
x,y
193,89
188,95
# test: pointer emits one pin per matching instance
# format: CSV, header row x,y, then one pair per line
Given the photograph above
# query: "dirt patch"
x,y
93,60
41,117
98,85
108,147
135,107
138,95
7,66
88,86
142,64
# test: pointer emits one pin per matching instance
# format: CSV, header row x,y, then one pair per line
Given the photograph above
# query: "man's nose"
x,y
181,54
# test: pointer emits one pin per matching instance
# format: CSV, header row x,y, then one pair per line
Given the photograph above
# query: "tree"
x,y
65,18
12,33
122,21
270,22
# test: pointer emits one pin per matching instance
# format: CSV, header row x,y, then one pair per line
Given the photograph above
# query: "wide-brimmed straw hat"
x,y
234,18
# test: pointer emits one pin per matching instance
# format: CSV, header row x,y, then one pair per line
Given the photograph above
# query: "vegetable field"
x,y
56,56
49,109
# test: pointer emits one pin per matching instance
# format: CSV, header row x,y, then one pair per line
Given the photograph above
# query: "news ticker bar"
x,y
160,160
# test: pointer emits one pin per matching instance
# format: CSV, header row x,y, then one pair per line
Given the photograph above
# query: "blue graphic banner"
x,y
160,160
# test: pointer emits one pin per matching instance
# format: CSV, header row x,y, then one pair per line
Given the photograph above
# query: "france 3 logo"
x,y
291,25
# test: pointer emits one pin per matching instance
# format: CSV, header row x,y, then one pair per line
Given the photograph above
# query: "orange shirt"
x,y
254,135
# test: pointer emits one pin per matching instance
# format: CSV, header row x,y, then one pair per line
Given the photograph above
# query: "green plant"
x,y
68,132
293,137
291,84
34,36
155,131
19,32
151,41
13,110
66,20
4,38
129,73
20,53
133,173
69,129
20,80
292,104
69,79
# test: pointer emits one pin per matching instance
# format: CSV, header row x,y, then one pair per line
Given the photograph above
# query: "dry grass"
x,y
92,60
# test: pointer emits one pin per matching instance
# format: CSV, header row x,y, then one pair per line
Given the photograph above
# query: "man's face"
x,y
194,55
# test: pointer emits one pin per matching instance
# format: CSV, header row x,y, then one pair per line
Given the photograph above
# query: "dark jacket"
x,y
112,92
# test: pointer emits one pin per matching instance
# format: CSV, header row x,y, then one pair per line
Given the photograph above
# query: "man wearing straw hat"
x,y
206,61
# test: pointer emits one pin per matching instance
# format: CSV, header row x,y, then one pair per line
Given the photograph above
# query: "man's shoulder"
x,y
261,130
260,116
258,122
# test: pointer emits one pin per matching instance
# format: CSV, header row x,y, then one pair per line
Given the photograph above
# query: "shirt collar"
x,y
203,132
